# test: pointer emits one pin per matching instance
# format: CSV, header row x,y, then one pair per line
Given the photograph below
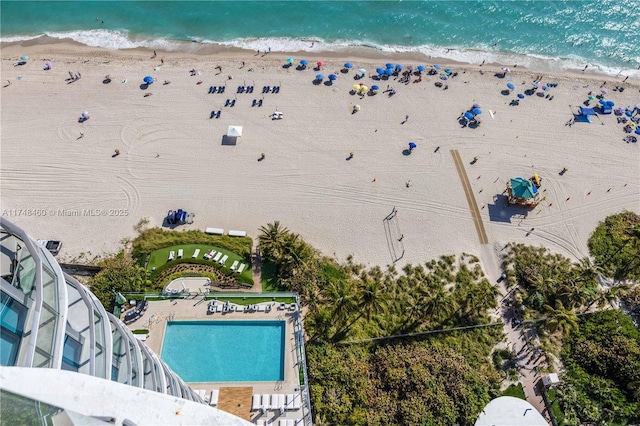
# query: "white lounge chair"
x,y
241,268
180,253
172,255
296,401
281,399
255,402
196,253
261,308
266,404
289,405
223,260
218,256
235,265
214,397
260,422
210,255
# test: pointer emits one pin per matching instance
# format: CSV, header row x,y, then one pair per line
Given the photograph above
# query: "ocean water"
x,y
553,35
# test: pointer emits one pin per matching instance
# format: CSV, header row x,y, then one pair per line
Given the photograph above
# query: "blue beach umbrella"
x,y
380,71
348,65
304,62
388,71
289,60
476,111
24,58
520,96
468,115
333,77
510,86
436,66
388,65
148,79
399,66
602,102
412,145
421,68
374,87
319,76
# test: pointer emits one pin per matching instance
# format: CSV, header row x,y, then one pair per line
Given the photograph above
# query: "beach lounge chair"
x,y
255,402
235,265
241,268
289,404
223,260
210,255
218,114
266,405
292,307
261,308
172,255
260,103
196,254
211,309
260,422
213,399
180,253
296,401
218,256
268,307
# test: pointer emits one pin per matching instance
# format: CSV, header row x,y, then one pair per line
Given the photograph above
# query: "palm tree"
x,y
560,318
272,240
373,299
587,270
439,307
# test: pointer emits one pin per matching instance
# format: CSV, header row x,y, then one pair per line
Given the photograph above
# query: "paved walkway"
x,y
471,198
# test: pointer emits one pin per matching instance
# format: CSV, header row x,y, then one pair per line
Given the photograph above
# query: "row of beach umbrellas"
x,y
389,68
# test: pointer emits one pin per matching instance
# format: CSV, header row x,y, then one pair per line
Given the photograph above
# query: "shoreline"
x,y
199,49
172,155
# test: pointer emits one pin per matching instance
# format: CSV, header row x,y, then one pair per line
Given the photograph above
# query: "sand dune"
x,y
172,155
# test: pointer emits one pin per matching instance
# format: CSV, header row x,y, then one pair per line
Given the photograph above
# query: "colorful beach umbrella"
x,y
24,58
412,145
319,76
421,68
436,66
304,62
468,115
510,86
289,60
319,63
448,70
363,88
148,79
399,66
380,71
388,65
476,111
348,65
356,87
333,77
388,71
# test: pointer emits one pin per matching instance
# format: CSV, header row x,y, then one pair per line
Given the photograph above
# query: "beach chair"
x,y
196,254
289,401
223,260
255,402
210,255
211,309
214,397
218,256
261,308
180,253
241,268
218,114
296,401
235,265
172,255
266,405
260,422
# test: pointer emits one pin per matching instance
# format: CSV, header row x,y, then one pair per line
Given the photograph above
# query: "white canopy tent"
x,y
234,134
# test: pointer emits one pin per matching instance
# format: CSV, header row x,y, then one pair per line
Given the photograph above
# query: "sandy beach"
x,y
60,181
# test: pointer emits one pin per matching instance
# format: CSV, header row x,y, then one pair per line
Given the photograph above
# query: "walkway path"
x,y
471,199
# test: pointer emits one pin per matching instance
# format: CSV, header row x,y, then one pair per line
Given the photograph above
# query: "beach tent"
x,y
523,188
234,133
585,115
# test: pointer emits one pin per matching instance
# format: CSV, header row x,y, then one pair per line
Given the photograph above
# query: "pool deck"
x,y
155,320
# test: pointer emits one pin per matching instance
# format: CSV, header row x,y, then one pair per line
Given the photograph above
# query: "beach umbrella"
x,y
319,63
148,79
362,71
85,114
388,65
412,145
24,58
374,87
468,115
510,86
399,66
602,102
356,108
380,71
534,84
476,111
333,77
520,95
304,62
591,97
436,66
319,76
477,106
604,91
421,68
289,60
348,65
609,103
506,69
444,77
388,71
363,88
356,87
448,70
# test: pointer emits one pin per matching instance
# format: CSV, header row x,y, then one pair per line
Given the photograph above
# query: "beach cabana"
x,y
234,134
585,115
522,192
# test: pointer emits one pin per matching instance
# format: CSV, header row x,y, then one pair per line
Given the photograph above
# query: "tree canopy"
x,y
615,244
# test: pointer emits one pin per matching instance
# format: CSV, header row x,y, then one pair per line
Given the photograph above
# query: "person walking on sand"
x,y
401,237
81,135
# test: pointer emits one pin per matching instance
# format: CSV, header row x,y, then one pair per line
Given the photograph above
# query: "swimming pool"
x,y
225,351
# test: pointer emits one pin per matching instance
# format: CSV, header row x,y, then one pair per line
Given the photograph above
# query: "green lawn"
x,y
161,256
515,390
268,277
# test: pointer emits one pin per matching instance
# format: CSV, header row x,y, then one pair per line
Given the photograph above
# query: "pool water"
x,y
225,351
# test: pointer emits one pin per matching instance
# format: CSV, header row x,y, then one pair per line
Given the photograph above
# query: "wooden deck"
x,y
236,400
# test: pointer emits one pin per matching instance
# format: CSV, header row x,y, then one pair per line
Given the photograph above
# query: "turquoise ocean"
x,y
547,35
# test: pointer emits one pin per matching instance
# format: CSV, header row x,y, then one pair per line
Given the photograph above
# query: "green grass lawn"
x,y
161,256
268,273
515,390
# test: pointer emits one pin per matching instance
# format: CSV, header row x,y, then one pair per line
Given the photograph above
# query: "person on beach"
x,y
81,135
8,82
154,54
